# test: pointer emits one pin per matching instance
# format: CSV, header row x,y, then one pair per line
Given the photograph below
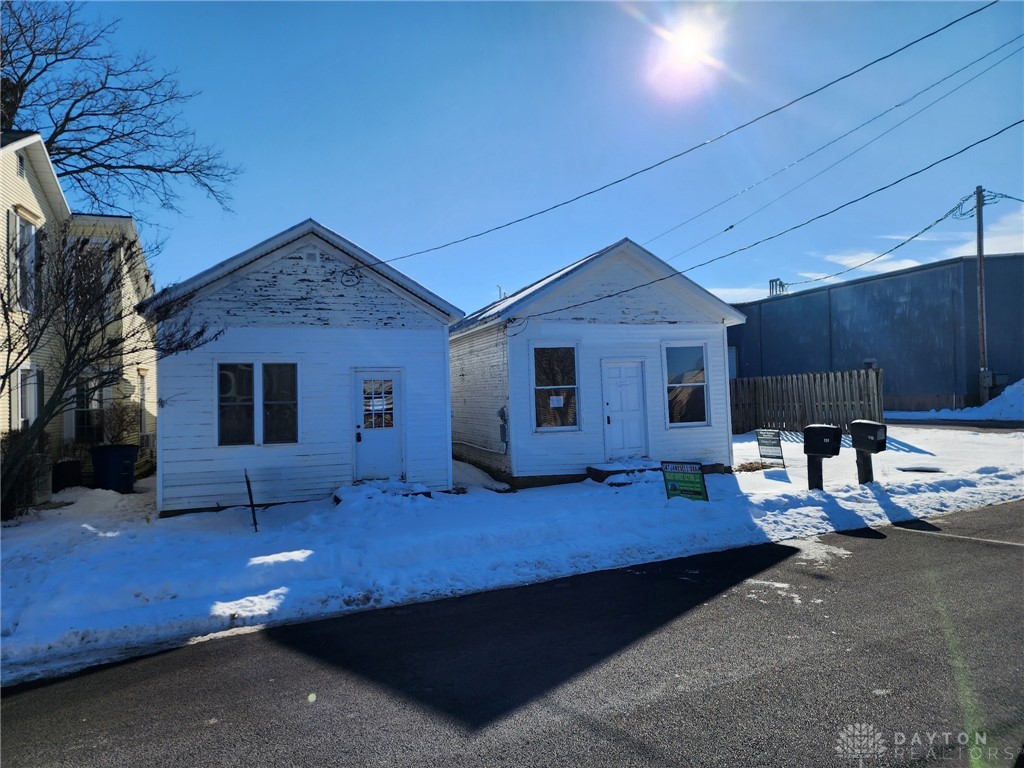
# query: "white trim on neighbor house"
x,y
34,149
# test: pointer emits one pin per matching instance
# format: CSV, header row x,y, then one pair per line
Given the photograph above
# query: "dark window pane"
x,y
235,404
686,405
281,423
280,403
554,366
685,365
555,407
280,383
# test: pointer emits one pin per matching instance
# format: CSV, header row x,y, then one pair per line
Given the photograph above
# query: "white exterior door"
x,y
625,417
379,425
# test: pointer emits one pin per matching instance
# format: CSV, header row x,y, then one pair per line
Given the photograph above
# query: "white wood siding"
x,y
304,286
479,371
662,302
570,452
194,472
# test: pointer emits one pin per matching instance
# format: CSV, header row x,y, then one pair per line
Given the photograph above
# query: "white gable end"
x,y
310,284
666,301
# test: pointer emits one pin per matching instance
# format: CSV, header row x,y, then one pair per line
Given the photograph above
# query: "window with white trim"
x,y
686,386
143,427
257,399
25,258
555,388
29,380
88,412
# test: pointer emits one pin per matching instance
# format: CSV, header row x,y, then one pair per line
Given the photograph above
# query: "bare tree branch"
x,y
112,125
75,320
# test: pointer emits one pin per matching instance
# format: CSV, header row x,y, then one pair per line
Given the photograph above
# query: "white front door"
x,y
625,419
378,448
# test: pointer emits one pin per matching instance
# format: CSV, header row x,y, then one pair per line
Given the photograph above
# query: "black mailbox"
x,y
822,440
868,436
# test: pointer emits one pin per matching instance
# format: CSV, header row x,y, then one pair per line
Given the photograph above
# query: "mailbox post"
x,y
869,438
821,441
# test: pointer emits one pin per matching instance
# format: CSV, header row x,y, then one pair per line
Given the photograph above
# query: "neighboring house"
x,y
35,206
565,374
332,367
920,325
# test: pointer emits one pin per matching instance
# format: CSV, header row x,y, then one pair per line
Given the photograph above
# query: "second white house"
x,y
615,356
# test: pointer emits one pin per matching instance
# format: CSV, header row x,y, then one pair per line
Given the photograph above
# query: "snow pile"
x,y
104,578
466,475
1009,406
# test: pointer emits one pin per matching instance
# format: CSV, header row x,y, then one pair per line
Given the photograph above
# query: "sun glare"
x,y
682,59
691,45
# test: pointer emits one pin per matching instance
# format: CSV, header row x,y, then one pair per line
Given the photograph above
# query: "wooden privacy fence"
x,y
792,402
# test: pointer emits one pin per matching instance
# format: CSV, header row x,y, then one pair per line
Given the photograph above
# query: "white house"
x,y
332,367
586,367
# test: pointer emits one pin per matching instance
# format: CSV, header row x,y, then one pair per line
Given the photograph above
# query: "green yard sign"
x,y
684,478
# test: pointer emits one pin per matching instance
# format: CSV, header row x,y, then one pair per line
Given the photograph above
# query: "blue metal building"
x,y
919,324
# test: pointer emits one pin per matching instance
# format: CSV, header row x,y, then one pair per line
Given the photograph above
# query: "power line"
x,y
834,141
695,147
783,232
957,212
951,212
1001,196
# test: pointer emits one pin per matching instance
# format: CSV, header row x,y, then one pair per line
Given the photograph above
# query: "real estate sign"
x,y
684,478
769,446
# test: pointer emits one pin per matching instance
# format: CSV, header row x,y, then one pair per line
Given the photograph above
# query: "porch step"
x,y
601,472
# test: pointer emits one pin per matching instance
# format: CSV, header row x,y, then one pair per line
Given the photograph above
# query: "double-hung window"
x,y
89,411
30,395
25,255
686,386
555,388
257,400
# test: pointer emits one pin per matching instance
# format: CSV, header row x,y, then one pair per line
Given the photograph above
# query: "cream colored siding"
x,y
27,194
479,389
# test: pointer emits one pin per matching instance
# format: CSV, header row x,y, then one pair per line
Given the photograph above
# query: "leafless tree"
x,y
67,304
112,124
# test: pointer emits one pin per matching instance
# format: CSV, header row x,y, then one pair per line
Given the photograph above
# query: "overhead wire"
x,y
783,232
951,213
839,138
695,147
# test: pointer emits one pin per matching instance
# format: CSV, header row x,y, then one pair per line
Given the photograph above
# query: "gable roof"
x,y
307,227
516,303
31,143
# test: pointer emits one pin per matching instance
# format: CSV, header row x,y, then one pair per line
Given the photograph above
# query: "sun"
x,y
690,45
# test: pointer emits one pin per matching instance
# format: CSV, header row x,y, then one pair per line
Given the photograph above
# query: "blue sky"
x,y
405,125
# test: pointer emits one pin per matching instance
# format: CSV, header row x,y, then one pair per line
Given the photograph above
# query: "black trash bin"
x,y
113,467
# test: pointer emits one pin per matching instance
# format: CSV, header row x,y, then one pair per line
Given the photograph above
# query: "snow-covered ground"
x,y
104,578
1009,406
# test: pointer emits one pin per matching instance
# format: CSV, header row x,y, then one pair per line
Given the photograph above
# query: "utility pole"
x,y
984,374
